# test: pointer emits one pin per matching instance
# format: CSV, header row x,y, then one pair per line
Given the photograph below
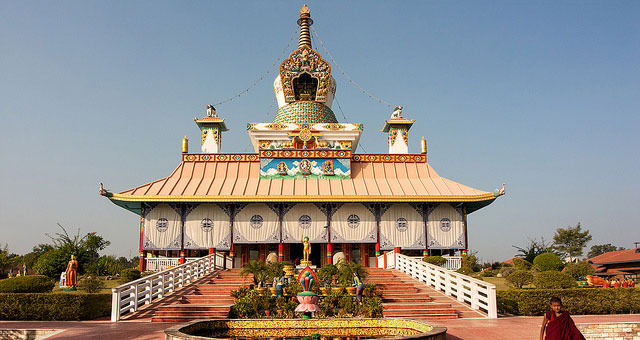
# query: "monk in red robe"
x,y
558,324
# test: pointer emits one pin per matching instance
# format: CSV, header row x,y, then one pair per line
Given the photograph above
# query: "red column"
x,y
329,253
212,250
182,259
142,264
377,253
143,254
280,252
425,253
384,261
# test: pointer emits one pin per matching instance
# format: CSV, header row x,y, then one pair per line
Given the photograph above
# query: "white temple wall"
x,y
207,226
256,223
445,228
162,228
402,225
399,146
304,219
211,142
353,223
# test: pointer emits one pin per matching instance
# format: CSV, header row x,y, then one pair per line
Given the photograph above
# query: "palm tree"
x,y
259,271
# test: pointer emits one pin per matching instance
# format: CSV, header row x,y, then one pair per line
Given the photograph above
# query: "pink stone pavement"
x,y
504,328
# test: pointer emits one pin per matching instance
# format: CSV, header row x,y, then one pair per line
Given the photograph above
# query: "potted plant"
x,y
259,271
345,275
326,276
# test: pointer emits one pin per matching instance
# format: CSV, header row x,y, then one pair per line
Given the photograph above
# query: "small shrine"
x,y
304,178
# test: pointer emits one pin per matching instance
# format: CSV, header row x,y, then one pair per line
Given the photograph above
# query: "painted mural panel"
x,y
256,223
445,228
162,228
304,219
401,225
207,226
321,168
354,223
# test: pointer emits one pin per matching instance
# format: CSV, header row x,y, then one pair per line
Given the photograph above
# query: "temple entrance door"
x,y
295,253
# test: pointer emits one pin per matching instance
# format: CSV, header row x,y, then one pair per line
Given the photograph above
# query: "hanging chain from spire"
x,y
263,75
346,76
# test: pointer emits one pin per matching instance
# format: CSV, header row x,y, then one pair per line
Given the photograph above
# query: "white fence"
x,y
477,294
156,264
127,298
453,262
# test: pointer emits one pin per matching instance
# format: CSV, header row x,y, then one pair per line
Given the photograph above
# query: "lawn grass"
x,y
108,285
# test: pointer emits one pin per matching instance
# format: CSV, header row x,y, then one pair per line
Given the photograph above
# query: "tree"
x,y
570,241
533,249
579,269
55,260
600,249
5,260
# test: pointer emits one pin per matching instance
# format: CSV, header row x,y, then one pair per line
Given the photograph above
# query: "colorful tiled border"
x,y
220,157
295,153
390,158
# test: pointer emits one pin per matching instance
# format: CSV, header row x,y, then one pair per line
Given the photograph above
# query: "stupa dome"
x,y
305,112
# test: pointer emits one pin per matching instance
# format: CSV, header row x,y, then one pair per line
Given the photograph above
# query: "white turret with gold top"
x,y
212,127
398,129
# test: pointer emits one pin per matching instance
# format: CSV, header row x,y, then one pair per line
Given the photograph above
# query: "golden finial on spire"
x,y
185,145
304,22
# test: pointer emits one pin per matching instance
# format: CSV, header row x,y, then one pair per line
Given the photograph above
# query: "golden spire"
x,y
304,22
423,146
185,145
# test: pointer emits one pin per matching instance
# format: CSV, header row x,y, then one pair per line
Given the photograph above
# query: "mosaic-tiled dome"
x,y
305,112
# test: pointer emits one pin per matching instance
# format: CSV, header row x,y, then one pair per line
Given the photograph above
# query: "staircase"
x,y
209,298
404,297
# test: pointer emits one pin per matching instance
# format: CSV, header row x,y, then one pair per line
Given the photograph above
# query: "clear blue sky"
x,y
540,95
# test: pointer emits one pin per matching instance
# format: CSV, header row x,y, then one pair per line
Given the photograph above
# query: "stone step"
x,y
426,317
196,307
423,305
190,314
419,312
182,318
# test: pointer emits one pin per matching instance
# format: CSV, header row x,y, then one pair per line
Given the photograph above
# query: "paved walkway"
x,y
505,328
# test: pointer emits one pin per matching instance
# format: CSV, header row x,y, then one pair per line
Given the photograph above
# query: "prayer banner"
x,y
354,223
304,219
162,228
402,225
207,226
445,228
256,223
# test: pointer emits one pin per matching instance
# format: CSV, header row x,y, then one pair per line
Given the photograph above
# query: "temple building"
x,y
304,178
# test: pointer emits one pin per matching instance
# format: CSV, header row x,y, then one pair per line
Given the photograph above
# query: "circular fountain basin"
x,y
314,329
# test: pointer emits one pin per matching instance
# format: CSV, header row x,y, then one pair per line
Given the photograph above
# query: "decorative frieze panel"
x,y
320,168
305,60
220,157
302,153
408,158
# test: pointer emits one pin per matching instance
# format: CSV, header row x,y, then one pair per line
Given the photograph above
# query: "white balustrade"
x,y
127,298
453,262
478,294
156,264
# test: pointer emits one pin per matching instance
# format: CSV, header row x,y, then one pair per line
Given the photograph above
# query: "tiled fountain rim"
x,y
427,330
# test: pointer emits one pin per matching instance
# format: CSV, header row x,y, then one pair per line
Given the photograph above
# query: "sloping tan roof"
x,y
239,181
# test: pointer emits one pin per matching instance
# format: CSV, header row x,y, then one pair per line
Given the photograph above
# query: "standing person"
x,y
357,282
605,284
625,283
558,324
617,283
279,283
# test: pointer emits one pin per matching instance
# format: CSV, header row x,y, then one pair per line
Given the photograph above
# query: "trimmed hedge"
x,y
437,260
129,274
577,301
552,279
54,306
27,284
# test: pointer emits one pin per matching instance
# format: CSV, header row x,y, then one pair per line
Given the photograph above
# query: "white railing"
x,y
127,298
453,262
390,259
477,294
156,264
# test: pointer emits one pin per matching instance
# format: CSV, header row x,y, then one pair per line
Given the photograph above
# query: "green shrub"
x,y
54,306
91,284
579,269
520,278
465,270
506,271
579,301
53,262
27,284
129,274
437,260
521,264
471,261
326,274
489,273
552,279
548,261
105,265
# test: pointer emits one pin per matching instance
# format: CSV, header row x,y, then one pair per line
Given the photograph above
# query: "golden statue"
x,y
72,273
306,251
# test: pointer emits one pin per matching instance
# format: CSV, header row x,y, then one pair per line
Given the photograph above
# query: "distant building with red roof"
x,y
617,263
